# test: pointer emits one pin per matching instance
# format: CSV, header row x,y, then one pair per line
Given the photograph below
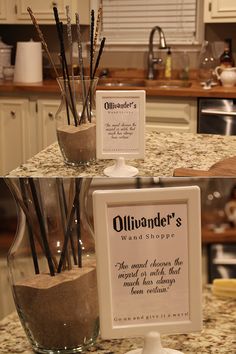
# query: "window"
x,y
130,21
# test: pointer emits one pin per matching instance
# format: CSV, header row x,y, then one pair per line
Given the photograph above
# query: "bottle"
x,y
184,73
226,58
168,64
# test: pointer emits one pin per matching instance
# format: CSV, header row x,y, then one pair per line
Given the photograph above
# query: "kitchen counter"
x,y
195,90
164,153
225,236
217,335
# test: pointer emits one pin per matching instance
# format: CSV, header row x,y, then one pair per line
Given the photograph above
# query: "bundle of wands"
x,y
29,198
68,75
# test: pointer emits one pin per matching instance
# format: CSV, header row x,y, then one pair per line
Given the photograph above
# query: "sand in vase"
x,y
78,144
59,311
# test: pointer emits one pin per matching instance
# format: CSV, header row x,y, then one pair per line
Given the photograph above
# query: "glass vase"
x,y
52,265
207,63
75,120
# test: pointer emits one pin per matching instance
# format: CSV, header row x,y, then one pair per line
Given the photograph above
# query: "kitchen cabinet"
x,y
219,11
27,125
3,11
15,11
167,114
14,133
46,121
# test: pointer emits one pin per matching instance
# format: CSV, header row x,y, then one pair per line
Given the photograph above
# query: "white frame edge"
x,y
141,94
103,199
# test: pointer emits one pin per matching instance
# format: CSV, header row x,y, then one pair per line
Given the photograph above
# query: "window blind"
x,y
130,21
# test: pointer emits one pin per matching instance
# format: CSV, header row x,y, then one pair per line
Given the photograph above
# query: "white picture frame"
x,y
115,299
111,141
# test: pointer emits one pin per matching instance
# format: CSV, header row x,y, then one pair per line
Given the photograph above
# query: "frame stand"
x,y
120,169
152,345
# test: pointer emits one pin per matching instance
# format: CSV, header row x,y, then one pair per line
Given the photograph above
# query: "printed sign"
x,y
148,256
120,121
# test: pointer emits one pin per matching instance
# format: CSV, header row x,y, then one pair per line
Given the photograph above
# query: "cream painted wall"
x,y
213,32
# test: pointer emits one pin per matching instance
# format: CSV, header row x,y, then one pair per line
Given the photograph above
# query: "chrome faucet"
x,y
162,45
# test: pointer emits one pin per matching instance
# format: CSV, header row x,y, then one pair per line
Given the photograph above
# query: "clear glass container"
x,y
213,204
207,63
75,120
52,265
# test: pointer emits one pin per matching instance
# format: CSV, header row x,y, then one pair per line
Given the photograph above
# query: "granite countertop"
x,y
217,335
164,153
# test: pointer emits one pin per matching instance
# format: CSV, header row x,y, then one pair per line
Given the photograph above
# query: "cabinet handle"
x,y
50,115
13,114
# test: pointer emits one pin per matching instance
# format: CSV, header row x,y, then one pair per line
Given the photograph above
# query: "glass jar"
x,y
207,63
75,120
52,265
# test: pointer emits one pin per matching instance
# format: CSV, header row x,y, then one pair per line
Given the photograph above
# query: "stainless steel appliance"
x,y
217,116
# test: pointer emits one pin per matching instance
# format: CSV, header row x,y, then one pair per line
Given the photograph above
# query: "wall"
x,y
218,32
139,59
213,32
125,59
10,34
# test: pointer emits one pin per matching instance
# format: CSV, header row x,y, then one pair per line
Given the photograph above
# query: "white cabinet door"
x,y
14,133
220,11
167,114
3,10
43,10
7,11
46,121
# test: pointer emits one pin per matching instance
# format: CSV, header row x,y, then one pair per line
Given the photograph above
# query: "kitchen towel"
x,y
28,64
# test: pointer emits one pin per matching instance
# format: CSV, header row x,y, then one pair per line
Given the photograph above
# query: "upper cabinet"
x,y
219,11
15,11
3,10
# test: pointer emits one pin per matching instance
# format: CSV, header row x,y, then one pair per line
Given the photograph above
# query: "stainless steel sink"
x,y
168,84
162,84
109,82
